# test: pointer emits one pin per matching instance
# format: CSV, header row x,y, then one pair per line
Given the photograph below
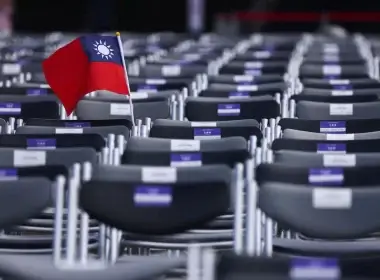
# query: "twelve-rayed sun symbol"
x,y
102,49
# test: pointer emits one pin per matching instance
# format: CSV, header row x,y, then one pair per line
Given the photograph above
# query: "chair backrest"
x,y
52,141
102,131
321,111
179,153
64,156
220,109
22,199
172,129
298,134
96,109
311,159
156,191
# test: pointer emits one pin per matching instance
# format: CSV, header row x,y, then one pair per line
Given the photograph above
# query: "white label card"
x,y
350,136
146,90
253,64
331,57
128,52
159,174
242,78
332,198
11,68
330,45
171,70
120,109
141,95
192,56
339,82
203,124
342,92
29,158
186,159
247,88
331,70
186,163
341,109
185,145
261,54
331,49
69,130
339,160
155,81
314,268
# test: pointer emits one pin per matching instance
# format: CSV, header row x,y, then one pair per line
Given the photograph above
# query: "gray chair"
x,y
22,199
328,160
130,267
179,153
27,98
343,92
223,109
157,70
137,95
66,157
231,79
305,135
141,220
34,84
36,197
322,111
36,233
328,213
101,130
98,110
205,130
41,268
253,89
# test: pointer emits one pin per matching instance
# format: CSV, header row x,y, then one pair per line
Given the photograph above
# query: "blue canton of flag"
x,y
101,48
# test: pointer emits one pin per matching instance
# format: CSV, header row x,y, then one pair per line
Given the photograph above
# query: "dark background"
x,y
163,15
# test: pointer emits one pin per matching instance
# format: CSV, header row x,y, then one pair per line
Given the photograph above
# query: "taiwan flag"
x,y
87,64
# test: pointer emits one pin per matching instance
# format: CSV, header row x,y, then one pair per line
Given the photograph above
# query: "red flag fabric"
x,y
87,64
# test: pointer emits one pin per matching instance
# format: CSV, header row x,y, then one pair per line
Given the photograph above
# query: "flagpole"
x,y
126,75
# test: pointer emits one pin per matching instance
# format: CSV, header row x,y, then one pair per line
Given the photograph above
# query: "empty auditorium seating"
x,y
254,157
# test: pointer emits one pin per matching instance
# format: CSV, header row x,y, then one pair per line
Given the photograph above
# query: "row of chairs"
x,y
112,193
39,148
308,198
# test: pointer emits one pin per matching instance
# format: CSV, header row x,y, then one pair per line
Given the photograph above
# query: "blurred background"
x,y
184,15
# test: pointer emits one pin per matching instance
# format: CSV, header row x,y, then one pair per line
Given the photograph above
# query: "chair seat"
x,y
219,224
326,248
42,230
12,243
46,222
41,267
180,238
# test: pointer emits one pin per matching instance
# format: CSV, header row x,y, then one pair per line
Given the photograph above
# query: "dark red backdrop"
x,y
155,15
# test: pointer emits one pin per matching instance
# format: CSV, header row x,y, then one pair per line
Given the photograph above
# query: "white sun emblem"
x,y
102,49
